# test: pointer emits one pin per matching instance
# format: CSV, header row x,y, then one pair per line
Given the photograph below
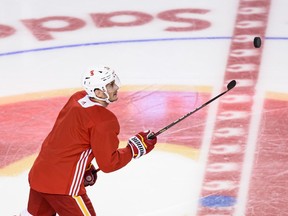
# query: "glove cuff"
x,y
137,147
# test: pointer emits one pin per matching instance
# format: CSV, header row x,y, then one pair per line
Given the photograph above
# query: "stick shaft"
x,y
185,116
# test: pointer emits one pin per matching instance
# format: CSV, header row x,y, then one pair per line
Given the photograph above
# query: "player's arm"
x,y
105,146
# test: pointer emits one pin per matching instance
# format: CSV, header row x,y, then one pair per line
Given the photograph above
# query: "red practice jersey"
x,y
83,130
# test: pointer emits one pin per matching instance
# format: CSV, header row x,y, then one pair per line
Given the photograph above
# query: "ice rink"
x,y
229,158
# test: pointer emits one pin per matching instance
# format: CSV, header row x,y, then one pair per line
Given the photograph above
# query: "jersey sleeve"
x,y
105,147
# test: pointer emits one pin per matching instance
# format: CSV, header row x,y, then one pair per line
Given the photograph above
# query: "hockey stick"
x,y
230,86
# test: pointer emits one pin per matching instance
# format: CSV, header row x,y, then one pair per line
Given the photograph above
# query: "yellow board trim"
x,y
125,88
25,164
19,166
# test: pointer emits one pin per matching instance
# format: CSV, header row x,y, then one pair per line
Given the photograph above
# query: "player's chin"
x,y
114,98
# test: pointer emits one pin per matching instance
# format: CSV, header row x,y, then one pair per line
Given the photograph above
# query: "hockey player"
x,y
84,129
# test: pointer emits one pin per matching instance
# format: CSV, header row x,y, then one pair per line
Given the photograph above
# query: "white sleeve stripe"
x,y
79,172
72,188
82,172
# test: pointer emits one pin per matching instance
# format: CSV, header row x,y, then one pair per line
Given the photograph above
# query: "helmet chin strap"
x,y
107,99
104,99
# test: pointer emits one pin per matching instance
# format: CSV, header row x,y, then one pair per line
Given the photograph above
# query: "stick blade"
x,y
231,85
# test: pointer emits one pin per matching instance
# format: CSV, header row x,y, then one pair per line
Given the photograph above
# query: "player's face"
x,y
112,90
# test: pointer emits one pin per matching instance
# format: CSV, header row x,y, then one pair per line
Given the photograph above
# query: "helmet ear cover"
x,y
102,90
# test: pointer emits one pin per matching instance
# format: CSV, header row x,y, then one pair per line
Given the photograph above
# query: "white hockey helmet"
x,y
98,78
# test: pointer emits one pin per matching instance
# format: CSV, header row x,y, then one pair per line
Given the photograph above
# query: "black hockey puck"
x,y
257,42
